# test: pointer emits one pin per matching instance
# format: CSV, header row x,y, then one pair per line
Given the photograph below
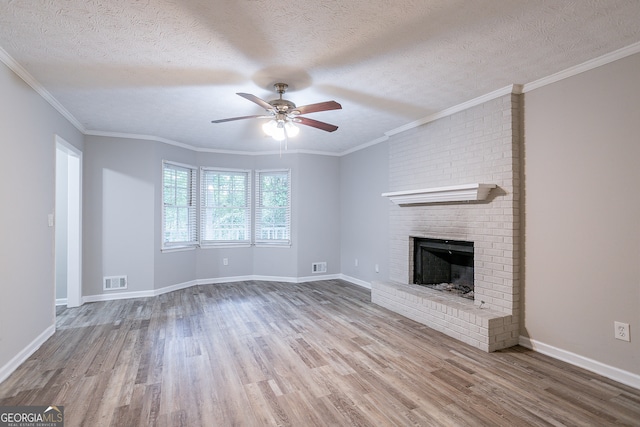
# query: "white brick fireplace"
x,y
477,146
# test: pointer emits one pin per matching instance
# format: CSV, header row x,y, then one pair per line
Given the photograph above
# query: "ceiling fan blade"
x,y
261,116
261,102
320,106
315,123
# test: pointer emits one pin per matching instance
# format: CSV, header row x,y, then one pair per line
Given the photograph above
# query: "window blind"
x,y
179,206
225,206
273,207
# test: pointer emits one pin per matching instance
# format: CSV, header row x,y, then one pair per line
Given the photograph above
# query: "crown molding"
x,y
35,85
203,150
585,66
516,89
138,136
365,145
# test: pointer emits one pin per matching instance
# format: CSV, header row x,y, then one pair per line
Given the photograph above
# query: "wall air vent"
x,y
110,283
319,267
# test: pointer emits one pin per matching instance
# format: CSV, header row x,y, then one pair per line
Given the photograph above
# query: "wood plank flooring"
x,y
279,354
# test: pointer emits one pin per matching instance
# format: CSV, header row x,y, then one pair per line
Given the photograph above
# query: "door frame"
x,y
73,220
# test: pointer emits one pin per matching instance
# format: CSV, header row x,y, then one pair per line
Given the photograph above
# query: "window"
x,y
273,207
225,207
178,206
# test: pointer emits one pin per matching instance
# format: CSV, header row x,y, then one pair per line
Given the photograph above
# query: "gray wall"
x,y
119,180
122,186
122,218
582,213
27,128
364,213
317,213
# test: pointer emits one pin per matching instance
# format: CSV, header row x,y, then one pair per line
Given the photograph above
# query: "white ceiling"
x,y
166,68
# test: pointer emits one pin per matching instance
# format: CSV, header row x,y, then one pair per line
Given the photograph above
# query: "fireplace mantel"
x,y
454,193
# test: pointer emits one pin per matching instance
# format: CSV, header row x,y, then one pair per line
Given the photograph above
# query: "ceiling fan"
x,y
285,115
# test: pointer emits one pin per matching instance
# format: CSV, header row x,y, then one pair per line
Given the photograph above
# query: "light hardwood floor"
x,y
313,354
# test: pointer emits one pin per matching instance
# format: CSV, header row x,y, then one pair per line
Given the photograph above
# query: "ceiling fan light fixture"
x,y
269,128
276,129
292,129
278,135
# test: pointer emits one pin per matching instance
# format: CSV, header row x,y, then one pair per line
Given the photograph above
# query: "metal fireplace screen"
x,y
444,265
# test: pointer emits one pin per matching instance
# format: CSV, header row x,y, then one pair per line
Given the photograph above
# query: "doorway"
x,y
68,224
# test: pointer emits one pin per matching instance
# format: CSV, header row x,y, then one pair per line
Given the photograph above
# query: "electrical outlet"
x,y
356,263
225,261
622,331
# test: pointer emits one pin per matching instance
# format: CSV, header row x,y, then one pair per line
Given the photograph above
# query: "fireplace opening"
x,y
444,265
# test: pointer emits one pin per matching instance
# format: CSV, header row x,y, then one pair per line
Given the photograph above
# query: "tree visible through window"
x,y
179,205
225,207
273,207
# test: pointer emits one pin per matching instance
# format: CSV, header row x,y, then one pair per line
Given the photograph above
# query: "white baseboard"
x,y
117,295
232,279
138,294
61,301
152,293
177,287
26,352
284,279
616,374
318,277
355,281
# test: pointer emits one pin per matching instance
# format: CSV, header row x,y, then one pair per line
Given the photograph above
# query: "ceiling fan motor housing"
x,y
282,105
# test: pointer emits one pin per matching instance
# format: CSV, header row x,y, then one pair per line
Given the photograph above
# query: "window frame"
x,y
208,243
284,242
192,209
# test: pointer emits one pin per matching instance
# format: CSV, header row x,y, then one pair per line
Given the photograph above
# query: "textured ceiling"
x,y
166,68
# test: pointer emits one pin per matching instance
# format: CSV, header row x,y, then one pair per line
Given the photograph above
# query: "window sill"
x,y
225,245
177,249
273,245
